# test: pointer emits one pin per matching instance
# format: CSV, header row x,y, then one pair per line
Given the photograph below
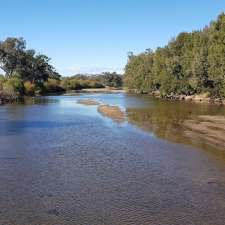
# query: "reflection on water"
x,y
182,122
64,163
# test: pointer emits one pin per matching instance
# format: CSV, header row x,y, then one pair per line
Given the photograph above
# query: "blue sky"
x,y
89,36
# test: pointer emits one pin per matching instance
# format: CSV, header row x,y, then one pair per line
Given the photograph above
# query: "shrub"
x,y
95,84
71,84
13,87
2,80
52,86
75,85
29,88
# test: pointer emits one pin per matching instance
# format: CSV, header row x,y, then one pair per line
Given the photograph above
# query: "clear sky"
x,y
95,35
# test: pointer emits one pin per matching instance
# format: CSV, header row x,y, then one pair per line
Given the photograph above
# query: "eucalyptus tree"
x,y
25,64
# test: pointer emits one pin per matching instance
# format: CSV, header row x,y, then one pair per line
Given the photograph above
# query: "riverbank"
x,y
12,99
7,99
95,90
196,98
101,90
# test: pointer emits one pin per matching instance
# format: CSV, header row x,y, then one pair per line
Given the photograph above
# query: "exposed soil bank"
x,y
88,102
113,112
208,128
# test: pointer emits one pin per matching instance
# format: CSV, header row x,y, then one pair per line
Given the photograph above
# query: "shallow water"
x,y
64,163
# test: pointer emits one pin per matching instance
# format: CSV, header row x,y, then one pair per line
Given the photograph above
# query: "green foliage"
x,y
29,73
2,80
15,58
13,87
52,86
11,54
25,71
29,88
70,84
191,63
79,81
111,79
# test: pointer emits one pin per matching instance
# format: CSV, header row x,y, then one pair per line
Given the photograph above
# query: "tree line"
x,y
191,63
25,70
30,73
81,81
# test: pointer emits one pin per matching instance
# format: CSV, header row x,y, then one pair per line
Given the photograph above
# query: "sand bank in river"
x,y
88,102
113,112
208,128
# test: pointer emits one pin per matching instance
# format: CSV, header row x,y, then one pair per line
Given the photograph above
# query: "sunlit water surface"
x,y
63,163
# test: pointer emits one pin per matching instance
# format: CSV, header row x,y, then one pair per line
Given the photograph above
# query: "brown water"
x,y
64,163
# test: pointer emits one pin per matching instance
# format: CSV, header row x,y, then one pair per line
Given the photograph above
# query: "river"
x,y
62,162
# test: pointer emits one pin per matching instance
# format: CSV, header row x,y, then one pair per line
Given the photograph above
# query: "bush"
x,y
2,80
29,88
97,85
75,85
52,86
78,83
70,84
13,87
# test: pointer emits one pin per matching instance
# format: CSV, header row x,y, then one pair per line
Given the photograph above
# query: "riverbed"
x,y
62,162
